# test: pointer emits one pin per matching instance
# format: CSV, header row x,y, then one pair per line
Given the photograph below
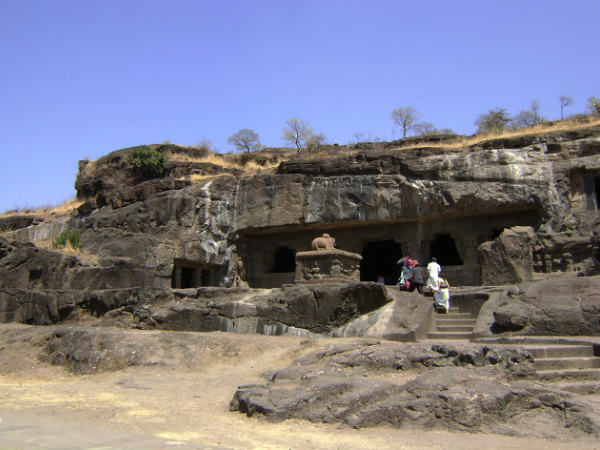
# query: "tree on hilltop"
x,y
424,128
494,121
297,132
528,117
593,106
315,141
406,118
245,139
564,102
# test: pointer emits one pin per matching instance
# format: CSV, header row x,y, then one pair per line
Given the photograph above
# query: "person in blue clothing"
x,y
406,264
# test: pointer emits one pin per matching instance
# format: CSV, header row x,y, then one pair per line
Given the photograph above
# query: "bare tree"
x,y
564,102
528,117
424,128
315,141
406,118
525,118
535,107
206,145
245,139
297,132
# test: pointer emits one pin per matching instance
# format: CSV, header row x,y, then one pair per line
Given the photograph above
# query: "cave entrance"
x,y
191,274
285,260
444,249
597,192
380,258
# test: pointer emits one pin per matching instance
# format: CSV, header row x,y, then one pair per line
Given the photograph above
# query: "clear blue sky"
x,y
81,78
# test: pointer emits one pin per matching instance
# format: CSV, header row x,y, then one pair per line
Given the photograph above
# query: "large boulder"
x,y
294,309
508,258
561,306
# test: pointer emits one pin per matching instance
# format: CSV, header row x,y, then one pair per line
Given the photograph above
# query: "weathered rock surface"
x,y
353,382
570,306
45,287
166,235
111,180
508,259
475,388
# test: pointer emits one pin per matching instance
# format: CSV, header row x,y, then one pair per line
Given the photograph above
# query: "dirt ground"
x,y
192,404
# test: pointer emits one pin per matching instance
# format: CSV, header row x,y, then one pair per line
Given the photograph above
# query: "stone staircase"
x,y
567,364
573,368
452,325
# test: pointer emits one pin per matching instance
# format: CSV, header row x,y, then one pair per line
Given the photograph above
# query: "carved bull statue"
x,y
324,242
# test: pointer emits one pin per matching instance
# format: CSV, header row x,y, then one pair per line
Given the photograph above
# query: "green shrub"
x,y
71,237
147,160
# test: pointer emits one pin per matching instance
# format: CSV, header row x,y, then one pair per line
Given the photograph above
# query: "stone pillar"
x,y
548,263
467,248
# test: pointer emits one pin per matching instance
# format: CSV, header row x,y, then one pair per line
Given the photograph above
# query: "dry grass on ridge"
x,y
250,167
228,161
59,210
469,141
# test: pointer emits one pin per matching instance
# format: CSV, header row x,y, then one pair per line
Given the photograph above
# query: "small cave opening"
x,y
34,276
379,259
444,249
191,274
285,260
597,192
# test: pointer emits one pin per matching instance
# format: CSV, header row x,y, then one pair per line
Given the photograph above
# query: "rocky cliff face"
x,y
429,202
231,230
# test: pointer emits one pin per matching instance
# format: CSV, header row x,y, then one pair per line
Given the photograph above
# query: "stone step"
x,y
453,328
452,325
454,316
562,351
568,375
567,363
450,336
445,321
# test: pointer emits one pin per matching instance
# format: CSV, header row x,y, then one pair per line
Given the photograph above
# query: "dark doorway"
x,y
444,249
192,274
285,260
188,277
380,258
206,278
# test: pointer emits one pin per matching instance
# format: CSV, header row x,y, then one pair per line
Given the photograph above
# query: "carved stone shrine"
x,y
325,263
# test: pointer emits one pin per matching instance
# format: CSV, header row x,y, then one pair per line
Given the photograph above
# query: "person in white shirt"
x,y
433,271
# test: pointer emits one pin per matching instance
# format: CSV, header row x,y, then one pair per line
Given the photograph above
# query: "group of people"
x,y
413,276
